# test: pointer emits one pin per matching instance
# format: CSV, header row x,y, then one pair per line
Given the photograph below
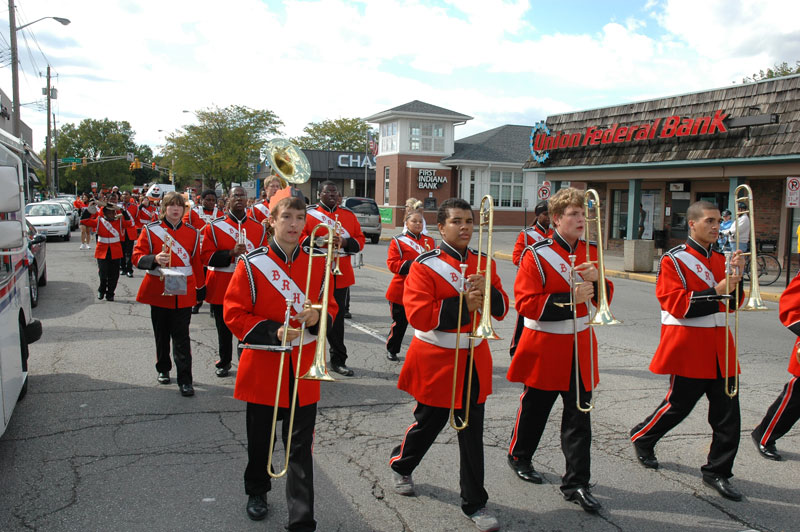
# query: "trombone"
x,y
481,329
318,370
602,315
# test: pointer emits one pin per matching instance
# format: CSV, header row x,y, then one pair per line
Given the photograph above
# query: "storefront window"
x,y
426,136
389,137
506,188
386,185
652,219
472,187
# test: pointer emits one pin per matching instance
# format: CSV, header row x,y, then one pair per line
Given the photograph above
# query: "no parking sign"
x,y
793,192
543,192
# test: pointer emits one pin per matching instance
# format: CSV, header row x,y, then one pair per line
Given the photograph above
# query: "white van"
x,y
18,329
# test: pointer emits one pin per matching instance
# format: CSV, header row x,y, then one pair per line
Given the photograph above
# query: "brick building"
x,y
655,157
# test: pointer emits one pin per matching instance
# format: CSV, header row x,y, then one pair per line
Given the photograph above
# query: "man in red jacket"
x,y
224,240
692,290
171,314
255,309
545,357
110,222
431,299
349,240
785,411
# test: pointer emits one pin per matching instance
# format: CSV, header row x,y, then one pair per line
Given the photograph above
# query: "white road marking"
x,y
363,328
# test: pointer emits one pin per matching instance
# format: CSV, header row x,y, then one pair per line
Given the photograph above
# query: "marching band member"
x,y
81,204
260,210
785,411
544,361
224,240
254,308
110,223
690,287
147,213
199,217
349,240
538,231
431,298
171,314
131,234
403,249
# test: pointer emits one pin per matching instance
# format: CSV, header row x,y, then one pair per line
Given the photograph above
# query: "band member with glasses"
x,y
431,299
545,357
692,289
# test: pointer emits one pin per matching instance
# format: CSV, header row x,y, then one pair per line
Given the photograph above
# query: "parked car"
x,y
50,219
37,262
367,214
72,212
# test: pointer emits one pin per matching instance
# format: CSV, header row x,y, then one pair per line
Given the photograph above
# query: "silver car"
x,y
49,219
368,216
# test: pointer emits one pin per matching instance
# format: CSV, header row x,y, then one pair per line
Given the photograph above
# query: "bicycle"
x,y
768,267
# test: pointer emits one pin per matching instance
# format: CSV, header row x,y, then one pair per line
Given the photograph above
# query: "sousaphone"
x,y
288,162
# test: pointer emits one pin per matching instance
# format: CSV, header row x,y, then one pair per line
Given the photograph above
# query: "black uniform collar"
x,y
173,227
541,229
453,252
695,245
563,243
237,220
274,246
412,235
326,208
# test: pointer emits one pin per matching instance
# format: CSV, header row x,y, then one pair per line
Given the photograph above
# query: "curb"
x,y
645,277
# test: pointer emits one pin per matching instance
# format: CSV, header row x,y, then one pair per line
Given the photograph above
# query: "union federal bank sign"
x,y
543,140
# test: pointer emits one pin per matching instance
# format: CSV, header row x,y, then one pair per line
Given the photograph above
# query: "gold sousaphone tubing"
x,y
288,162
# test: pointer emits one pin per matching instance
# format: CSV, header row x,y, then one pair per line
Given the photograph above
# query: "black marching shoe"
x,y
391,356
196,309
525,470
100,294
347,315
163,378
767,451
723,487
257,507
223,371
129,274
583,496
646,457
342,370
109,297
187,390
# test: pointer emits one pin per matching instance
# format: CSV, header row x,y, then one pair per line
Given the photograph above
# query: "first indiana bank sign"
x,y
543,141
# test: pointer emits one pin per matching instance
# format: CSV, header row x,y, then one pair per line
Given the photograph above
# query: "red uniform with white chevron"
x,y
259,211
544,354
145,215
219,238
198,217
254,309
185,255
351,229
527,237
431,299
403,249
109,234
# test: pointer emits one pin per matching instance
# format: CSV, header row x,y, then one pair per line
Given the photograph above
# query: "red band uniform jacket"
x,y
546,349
198,217
528,237
145,216
219,238
789,308
692,332
133,212
351,229
110,233
254,310
403,250
431,302
187,258
259,212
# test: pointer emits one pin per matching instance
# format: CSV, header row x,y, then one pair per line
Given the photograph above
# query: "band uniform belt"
x,y
556,327
446,340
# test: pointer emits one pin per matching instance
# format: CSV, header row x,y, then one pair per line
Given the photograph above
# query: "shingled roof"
x,y
418,108
508,143
779,141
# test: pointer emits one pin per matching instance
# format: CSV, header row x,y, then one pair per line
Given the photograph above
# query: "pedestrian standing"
x,y
110,222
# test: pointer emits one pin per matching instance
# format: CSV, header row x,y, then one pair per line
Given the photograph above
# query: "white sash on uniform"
x,y
534,234
206,217
262,208
694,265
175,246
410,243
330,222
445,271
110,228
555,260
233,232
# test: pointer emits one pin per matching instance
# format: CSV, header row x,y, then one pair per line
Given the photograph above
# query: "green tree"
x,y
104,145
343,134
777,71
222,146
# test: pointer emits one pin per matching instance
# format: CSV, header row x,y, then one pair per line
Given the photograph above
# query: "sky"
x,y
499,61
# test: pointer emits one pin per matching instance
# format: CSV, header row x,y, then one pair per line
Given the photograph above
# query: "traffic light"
x,y
83,161
136,164
132,167
153,165
74,166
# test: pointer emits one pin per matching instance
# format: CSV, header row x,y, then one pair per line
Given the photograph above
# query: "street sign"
x,y
792,192
543,193
71,160
129,157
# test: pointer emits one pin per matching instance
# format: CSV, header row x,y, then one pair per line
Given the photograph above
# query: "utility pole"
x,y
47,171
55,155
12,30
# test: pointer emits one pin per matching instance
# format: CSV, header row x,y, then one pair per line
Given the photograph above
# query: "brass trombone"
x,y
318,370
481,329
602,315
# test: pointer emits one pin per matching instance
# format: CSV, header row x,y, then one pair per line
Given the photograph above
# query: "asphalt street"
x,y
97,444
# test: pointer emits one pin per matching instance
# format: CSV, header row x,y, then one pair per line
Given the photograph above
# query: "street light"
x,y
13,29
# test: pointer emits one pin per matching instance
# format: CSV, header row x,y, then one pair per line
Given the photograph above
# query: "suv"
x,y
368,216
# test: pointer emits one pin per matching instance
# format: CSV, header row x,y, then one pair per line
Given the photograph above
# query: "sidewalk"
x,y
503,246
